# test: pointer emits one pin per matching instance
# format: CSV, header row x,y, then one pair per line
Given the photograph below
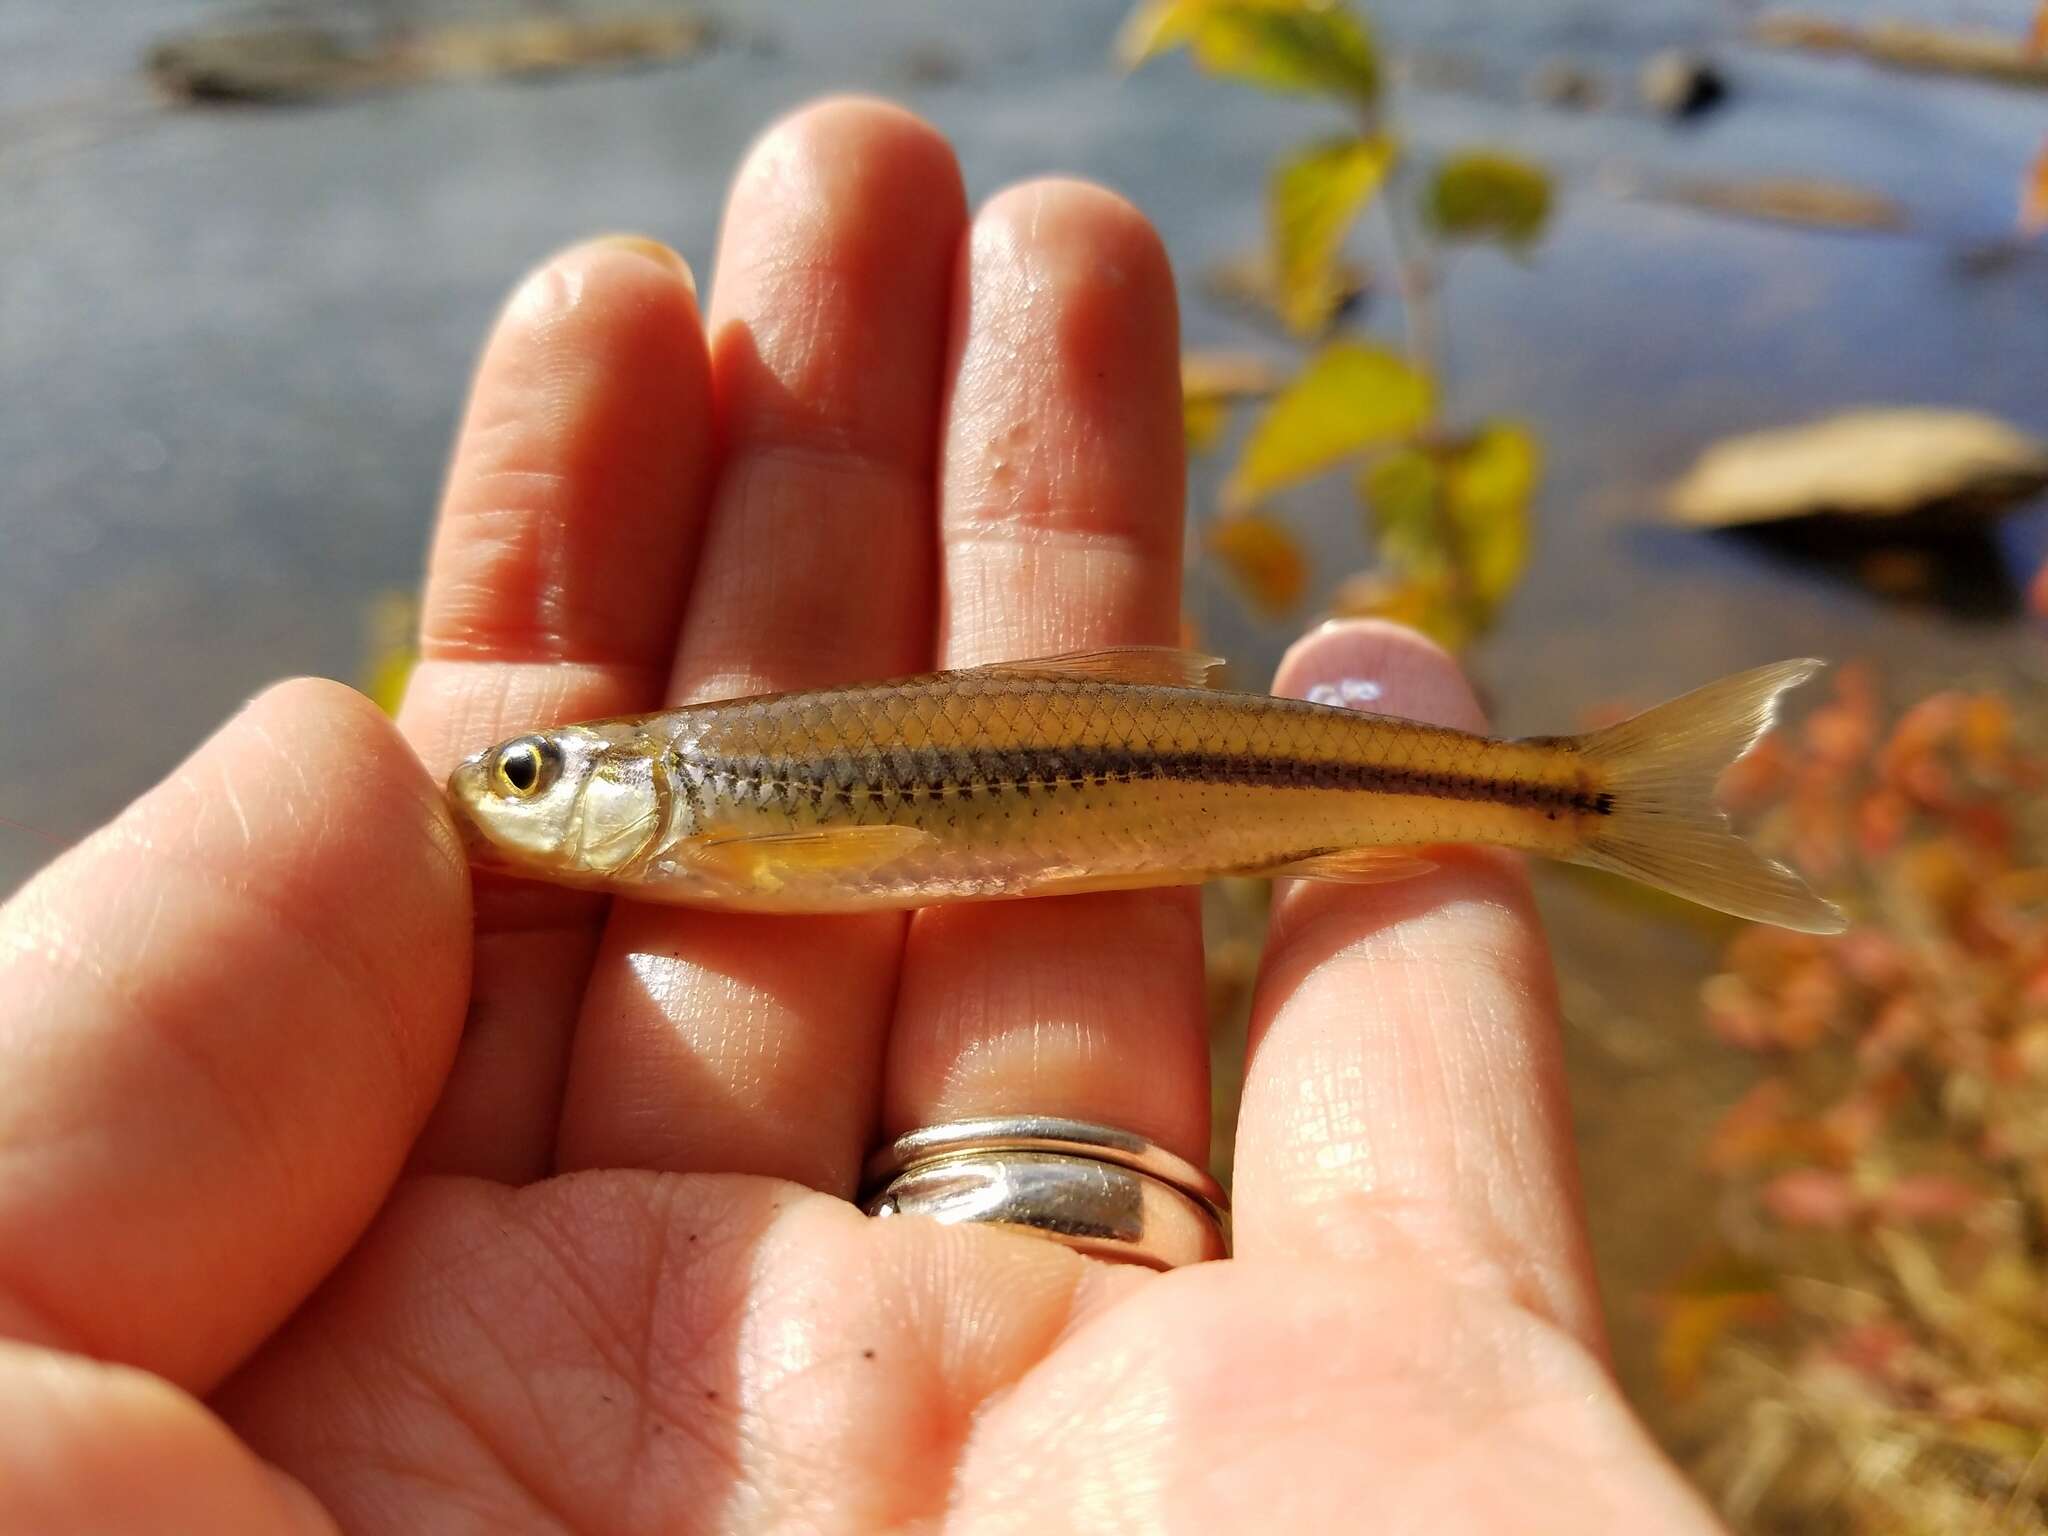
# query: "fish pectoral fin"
x,y
1159,664
1358,866
766,860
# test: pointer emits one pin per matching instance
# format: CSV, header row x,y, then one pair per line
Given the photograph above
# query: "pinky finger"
x,y
92,1447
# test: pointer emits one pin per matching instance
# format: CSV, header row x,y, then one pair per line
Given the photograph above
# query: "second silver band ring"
x,y
1091,1187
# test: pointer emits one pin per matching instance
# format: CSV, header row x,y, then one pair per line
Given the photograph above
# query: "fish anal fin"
x,y
1158,664
1357,866
768,859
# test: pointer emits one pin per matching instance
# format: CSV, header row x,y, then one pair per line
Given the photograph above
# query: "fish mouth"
x,y
464,787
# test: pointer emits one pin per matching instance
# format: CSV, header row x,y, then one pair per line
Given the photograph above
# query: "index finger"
x,y
1404,1096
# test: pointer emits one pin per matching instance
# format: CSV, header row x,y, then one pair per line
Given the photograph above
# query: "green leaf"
x,y
1264,558
1488,483
1282,45
1315,197
1402,489
1451,530
1352,396
1486,195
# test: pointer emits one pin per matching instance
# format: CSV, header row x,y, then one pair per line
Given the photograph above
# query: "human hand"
x,y
276,1136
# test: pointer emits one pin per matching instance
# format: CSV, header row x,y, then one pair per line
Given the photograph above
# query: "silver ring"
x,y
1091,1187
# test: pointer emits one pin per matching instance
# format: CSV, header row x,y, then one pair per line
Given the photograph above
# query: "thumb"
x,y
228,1015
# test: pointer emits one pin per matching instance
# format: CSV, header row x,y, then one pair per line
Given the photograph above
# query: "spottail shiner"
x,y
1105,770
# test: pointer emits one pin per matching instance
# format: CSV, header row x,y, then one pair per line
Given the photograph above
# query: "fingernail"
x,y
1347,693
655,251
1390,669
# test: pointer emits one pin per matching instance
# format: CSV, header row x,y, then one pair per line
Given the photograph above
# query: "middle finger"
x,y
748,1044
1061,525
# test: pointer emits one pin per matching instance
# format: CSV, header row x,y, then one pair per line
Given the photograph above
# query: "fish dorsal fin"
x,y
1358,866
1158,664
766,860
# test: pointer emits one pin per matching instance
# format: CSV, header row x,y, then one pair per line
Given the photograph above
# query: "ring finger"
x,y
734,1042
1060,516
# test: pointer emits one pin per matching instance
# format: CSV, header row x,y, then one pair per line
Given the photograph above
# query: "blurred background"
x,y
1620,343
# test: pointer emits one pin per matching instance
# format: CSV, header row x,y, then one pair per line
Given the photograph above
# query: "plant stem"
x,y
1415,279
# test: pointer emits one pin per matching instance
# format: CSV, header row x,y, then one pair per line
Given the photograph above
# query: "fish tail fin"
x,y
1663,826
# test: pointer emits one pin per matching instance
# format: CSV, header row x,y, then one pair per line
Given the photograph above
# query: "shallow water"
x,y
232,345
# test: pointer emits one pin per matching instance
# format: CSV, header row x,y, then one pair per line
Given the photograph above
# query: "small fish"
x,y
1104,770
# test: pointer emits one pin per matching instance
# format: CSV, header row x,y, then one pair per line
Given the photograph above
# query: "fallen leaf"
x,y
1929,1197
1880,463
286,63
1351,396
1765,1127
1984,55
1692,1324
1812,1197
1806,201
2033,218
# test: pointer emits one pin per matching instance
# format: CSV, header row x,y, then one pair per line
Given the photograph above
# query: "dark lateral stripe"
x,y
1374,778
1041,770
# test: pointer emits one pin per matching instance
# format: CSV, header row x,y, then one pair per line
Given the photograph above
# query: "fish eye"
x,y
528,766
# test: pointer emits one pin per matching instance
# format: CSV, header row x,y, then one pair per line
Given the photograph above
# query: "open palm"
x,y
550,1231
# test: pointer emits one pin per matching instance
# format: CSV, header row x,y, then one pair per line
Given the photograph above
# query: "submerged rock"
x,y
1955,468
1680,84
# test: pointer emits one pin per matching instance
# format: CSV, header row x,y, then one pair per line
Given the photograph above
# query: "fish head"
x,y
575,803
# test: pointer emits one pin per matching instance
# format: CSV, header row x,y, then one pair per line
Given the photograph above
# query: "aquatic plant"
x,y
1862,1350
1446,506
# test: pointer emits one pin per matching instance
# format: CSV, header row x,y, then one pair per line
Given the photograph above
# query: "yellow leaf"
x,y
1486,195
1153,28
1416,598
1316,194
1488,483
1264,557
1251,283
1203,418
1282,45
389,623
1351,396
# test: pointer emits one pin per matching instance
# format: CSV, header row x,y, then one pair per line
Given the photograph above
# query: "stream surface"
x,y
233,344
